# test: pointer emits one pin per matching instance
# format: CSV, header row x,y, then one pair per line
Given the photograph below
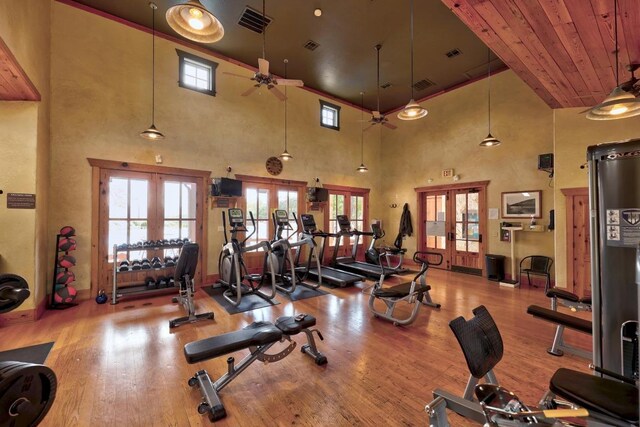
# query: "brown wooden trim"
x,y
272,181
139,167
25,316
204,224
210,279
577,191
95,228
452,186
346,188
19,86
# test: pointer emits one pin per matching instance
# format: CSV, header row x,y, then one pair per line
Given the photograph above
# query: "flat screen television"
x,y
226,187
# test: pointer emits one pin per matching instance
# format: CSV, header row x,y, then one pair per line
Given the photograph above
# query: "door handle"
x,y
450,236
480,238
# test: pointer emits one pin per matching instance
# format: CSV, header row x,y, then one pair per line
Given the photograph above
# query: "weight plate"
x,y
8,284
27,392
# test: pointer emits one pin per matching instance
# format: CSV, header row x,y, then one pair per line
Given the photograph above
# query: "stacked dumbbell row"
x,y
152,244
159,282
146,264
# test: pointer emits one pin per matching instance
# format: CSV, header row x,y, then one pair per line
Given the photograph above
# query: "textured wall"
x,y
448,138
101,90
24,126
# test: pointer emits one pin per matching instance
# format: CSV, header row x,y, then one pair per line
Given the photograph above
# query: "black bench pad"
x,y
613,398
290,326
561,318
257,333
566,295
399,291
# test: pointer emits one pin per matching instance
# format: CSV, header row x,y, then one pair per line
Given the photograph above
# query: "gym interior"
x,y
181,179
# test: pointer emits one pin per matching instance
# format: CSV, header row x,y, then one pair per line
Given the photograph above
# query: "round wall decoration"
x,y
274,166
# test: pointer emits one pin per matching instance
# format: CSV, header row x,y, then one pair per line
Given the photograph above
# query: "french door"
x,y
352,202
452,224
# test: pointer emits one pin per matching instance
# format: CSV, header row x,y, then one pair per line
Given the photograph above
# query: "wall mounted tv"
x,y
226,187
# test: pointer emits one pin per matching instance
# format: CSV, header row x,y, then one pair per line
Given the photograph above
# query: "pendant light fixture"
x,y
194,22
285,154
413,110
152,133
490,140
620,103
362,168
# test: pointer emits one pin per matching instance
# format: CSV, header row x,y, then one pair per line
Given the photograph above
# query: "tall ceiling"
x,y
344,63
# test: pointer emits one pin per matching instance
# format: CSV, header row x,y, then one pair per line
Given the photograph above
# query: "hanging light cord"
x,y
489,84
615,25
411,47
153,64
264,35
378,50
285,107
362,127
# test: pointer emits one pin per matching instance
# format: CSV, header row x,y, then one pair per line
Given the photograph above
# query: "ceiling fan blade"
x,y
389,125
250,90
274,90
585,111
369,127
263,66
290,82
236,75
376,114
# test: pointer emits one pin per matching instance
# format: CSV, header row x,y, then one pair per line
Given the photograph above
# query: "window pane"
x,y
189,70
188,200
117,235
474,247
473,231
293,201
118,197
263,204
283,199
137,231
172,200
461,245
473,207
461,206
460,231
188,230
202,84
202,74
171,230
189,80
139,201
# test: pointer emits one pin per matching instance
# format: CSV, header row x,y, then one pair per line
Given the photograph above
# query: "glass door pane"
x,y
258,204
179,217
436,217
288,200
336,207
128,215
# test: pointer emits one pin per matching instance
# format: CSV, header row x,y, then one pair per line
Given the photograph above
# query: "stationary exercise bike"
x,y
231,267
372,255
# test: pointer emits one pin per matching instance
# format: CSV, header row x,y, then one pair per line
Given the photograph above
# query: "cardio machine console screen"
x,y
344,223
308,223
235,216
282,217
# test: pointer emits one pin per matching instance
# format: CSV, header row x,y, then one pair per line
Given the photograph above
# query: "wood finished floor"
x,y
122,366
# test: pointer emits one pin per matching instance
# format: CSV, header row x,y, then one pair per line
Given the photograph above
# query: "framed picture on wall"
x,y
521,204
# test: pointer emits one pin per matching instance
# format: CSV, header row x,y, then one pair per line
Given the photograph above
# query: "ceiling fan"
x,y
376,116
263,77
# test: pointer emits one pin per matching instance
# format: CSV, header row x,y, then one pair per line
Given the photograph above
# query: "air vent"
x,y
423,84
311,45
253,20
386,85
453,53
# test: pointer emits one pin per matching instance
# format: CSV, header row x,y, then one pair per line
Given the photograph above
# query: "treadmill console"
x,y
344,223
236,217
282,217
308,223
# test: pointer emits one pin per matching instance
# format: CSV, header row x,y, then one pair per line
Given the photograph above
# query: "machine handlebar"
x,y
418,257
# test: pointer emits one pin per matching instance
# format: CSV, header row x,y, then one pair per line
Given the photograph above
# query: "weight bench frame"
x,y
558,346
185,269
210,390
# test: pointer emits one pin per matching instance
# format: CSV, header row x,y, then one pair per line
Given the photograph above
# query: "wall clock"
x,y
274,166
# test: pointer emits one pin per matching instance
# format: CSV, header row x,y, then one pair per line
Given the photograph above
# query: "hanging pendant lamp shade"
x,y
620,104
151,133
490,140
413,110
285,154
362,168
194,22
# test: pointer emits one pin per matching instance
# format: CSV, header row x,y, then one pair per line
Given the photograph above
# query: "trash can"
x,y
495,267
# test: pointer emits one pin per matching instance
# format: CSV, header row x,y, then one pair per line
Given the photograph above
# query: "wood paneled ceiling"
x,y
563,49
15,85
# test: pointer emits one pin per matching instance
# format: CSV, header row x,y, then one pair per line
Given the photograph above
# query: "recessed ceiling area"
x,y
334,53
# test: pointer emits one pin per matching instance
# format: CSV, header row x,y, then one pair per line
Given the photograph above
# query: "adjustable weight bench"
x,y
183,276
562,320
568,299
258,337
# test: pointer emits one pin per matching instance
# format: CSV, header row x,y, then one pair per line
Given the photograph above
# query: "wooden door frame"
x,y
570,194
99,165
482,214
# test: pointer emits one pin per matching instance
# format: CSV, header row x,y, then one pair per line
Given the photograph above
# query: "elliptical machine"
x,y
231,267
289,273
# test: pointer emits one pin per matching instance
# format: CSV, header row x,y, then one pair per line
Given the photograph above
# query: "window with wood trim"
x,y
196,73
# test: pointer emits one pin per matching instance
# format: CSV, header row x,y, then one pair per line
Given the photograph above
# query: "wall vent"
x,y
253,20
453,53
423,84
311,45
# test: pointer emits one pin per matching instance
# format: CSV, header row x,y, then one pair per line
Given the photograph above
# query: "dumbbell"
x,y
135,265
150,282
155,262
169,262
122,247
172,282
162,282
124,266
145,264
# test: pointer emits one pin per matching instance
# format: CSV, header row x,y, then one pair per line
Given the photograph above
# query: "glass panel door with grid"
x,y
179,213
436,211
467,235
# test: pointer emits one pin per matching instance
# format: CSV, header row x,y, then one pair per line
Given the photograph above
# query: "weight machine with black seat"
x,y
183,276
27,390
415,292
258,337
233,272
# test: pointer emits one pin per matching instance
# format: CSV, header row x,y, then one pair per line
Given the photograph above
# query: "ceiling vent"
x,y
453,53
423,84
253,20
311,45
386,85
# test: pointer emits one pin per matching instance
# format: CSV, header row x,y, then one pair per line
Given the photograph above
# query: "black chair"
x,y
537,265
183,277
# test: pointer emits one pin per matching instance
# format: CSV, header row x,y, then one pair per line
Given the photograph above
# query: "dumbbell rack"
x,y
138,290
56,269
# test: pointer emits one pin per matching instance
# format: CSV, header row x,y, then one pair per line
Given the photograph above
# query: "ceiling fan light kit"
x,y
151,133
194,22
413,111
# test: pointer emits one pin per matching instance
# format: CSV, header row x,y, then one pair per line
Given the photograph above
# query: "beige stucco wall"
x,y
573,134
24,126
101,72
448,138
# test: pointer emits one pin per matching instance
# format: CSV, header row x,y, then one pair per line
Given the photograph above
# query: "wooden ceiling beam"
x,y
15,85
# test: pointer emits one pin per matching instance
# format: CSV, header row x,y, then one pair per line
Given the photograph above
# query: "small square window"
x,y
329,115
197,73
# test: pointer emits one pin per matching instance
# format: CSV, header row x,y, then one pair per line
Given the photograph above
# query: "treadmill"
x,y
329,275
350,263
